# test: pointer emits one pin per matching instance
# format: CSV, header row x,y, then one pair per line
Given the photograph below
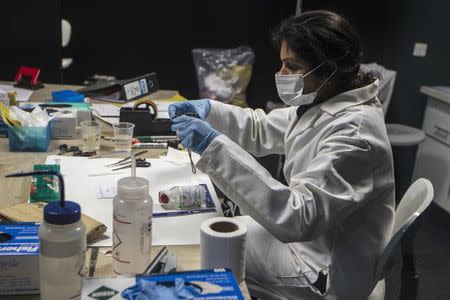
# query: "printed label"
x,y
131,241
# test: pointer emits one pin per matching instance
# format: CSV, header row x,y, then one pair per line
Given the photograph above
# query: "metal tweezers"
x,y
126,160
140,163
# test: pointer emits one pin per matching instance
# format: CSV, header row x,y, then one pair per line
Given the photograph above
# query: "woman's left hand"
x,y
195,134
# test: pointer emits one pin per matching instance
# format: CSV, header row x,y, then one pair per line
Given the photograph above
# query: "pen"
x,y
183,212
93,261
152,267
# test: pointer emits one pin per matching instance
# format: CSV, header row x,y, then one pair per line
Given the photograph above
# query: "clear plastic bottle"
x,y
62,239
132,225
183,197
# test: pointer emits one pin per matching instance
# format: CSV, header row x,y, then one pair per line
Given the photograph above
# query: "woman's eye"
x,y
293,67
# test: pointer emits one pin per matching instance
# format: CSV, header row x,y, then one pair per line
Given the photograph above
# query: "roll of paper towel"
x,y
222,245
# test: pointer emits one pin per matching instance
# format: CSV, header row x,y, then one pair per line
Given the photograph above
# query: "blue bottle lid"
x,y
56,214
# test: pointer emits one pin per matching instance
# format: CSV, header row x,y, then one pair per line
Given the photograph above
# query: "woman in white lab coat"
x,y
319,236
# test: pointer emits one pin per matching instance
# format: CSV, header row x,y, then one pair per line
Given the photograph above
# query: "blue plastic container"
x,y
29,139
3,129
67,96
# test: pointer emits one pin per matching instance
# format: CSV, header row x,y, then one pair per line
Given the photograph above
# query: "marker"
x,y
156,138
149,146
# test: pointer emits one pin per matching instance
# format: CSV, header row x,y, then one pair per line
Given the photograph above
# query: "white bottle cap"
x,y
132,188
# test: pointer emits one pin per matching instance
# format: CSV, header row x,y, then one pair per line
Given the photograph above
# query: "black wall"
x,y
30,35
128,38
389,30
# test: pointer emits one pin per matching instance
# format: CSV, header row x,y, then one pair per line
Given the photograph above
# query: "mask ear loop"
x,y
334,72
314,69
326,80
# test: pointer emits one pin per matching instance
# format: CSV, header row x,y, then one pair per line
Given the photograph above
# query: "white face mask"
x,y
290,88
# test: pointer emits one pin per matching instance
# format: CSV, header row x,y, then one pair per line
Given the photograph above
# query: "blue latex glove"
x,y
146,290
201,107
195,134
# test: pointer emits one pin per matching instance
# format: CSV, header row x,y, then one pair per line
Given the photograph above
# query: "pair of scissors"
x,y
140,163
76,151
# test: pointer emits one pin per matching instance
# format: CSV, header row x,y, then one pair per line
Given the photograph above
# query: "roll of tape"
x,y
222,245
148,103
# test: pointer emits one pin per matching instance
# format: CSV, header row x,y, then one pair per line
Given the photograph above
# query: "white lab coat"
x,y
336,214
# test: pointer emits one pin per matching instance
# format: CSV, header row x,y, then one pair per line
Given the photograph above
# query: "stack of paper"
x,y
22,94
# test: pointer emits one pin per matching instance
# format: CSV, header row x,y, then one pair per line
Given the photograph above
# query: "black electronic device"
x,y
145,121
123,90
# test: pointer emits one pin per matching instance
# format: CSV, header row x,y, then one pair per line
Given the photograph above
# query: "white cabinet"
x,y
433,156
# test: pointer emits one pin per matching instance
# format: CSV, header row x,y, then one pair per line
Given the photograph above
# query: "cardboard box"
x,y
84,111
19,258
204,284
65,125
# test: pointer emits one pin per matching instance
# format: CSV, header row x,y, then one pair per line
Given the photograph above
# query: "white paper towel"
x,y
222,245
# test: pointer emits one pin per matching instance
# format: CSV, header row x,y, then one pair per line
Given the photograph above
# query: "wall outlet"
x,y
420,49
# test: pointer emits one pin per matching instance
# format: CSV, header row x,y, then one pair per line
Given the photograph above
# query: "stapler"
x,y
28,78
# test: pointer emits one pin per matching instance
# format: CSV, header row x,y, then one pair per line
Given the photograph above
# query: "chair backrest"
x,y
66,31
416,199
387,83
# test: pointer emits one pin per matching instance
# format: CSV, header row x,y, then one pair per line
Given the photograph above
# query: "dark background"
x,y
127,38
30,35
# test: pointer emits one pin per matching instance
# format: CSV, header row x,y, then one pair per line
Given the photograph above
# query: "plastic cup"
x,y
90,133
123,135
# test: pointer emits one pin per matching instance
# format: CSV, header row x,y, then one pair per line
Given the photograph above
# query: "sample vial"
x,y
183,197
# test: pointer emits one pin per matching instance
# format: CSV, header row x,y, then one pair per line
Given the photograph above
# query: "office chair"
x,y
398,134
416,199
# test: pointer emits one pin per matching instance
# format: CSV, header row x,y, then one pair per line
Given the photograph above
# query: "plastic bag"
x,y
223,74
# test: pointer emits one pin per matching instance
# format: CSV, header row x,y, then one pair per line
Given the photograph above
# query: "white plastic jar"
x,y
62,239
132,226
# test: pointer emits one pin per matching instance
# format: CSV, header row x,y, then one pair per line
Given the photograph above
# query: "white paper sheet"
x,y
111,120
83,189
22,94
179,157
106,110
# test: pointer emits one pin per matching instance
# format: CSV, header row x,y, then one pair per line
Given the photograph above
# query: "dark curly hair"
x,y
323,36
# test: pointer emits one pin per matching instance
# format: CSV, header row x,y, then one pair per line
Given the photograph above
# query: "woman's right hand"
x,y
200,107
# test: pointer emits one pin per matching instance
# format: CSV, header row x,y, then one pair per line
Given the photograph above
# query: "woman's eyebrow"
x,y
291,61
